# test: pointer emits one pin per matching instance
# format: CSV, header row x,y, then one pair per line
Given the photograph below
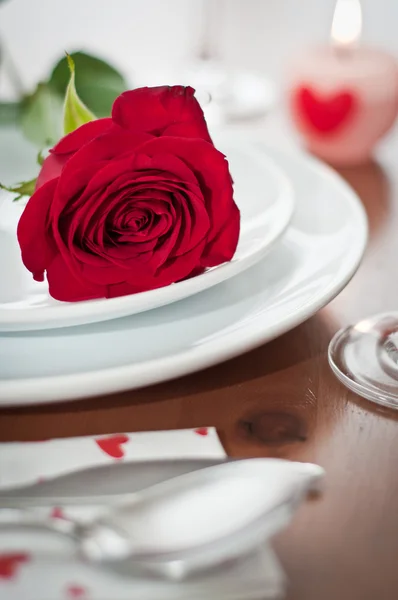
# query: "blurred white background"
x,y
141,35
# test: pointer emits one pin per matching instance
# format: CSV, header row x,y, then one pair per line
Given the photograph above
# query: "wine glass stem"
x,y
212,17
388,352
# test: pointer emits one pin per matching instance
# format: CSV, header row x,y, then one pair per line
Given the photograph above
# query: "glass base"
x,y
365,358
235,94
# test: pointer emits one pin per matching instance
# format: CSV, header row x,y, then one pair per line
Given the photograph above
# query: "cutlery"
x,y
189,523
105,484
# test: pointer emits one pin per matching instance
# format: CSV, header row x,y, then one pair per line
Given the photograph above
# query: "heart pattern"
x,y
325,113
202,431
21,569
57,513
10,563
112,445
76,591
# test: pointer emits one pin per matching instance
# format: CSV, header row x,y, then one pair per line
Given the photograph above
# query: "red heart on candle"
x,y
325,113
113,445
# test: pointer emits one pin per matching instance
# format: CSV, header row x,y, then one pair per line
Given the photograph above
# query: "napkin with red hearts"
x,y
30,462
37,566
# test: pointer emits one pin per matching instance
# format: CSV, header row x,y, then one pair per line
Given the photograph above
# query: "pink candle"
x,y
344,97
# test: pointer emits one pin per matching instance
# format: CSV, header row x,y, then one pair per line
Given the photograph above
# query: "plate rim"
x,y
17,392
106,309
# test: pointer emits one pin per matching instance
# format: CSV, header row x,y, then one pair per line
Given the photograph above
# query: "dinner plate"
x,y
315,259
265,199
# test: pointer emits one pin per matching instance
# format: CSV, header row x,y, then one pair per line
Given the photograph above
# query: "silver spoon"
x,y
102,484
191,522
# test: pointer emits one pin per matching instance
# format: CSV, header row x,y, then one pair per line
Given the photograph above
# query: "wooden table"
x,y
282,400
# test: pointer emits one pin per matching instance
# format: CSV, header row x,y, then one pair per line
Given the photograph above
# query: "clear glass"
x,y
365,358
226,94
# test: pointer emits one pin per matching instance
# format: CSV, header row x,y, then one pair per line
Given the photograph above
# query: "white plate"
x,y
314,261
264,196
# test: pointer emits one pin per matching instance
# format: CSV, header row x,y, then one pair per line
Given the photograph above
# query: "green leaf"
x,y
97,83
76,112
41,117
40,158
24,188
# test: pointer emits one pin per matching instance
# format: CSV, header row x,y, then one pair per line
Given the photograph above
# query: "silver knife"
x,y
106,484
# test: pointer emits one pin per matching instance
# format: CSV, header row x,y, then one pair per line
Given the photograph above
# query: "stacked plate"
x,y
303,232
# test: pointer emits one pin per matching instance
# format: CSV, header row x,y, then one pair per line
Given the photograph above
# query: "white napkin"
x,y
30,462
37,566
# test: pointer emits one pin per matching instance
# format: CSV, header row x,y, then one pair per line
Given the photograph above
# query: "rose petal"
x,y
84,164
131,212
51,168
173,271
89,222
195,222
157,109
114,175
141,110
222,248
210,168
188,130
190,228
96,203
63,285
82,135
97,197
137,167
33,231
105,275
187,115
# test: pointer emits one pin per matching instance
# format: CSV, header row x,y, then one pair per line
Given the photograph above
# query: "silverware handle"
x,y
22,519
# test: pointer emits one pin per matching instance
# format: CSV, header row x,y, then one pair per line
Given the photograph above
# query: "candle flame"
x,y
347,23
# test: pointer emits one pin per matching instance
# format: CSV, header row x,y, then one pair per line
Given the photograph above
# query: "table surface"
x,y
282,400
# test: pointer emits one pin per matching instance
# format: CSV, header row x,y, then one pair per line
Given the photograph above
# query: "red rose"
x,y
131,203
